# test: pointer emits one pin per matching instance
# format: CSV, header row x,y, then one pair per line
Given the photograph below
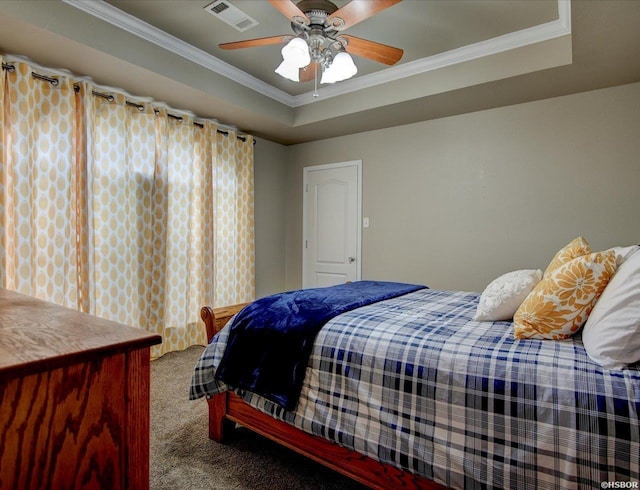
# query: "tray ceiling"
x,y
459,56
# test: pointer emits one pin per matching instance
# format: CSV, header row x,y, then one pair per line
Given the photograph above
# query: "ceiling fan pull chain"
x,y
315,79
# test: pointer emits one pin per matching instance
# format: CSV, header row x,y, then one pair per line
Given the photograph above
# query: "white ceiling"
x,y
459,56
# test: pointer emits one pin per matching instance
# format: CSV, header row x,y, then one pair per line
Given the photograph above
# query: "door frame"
x,y
328,166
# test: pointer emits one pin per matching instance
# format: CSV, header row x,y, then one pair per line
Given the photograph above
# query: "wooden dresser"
x,y
74,398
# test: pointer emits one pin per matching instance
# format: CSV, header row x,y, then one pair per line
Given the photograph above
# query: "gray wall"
x,y
270,206
455,202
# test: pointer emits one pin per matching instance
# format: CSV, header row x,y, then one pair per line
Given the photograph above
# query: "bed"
x,y
413,392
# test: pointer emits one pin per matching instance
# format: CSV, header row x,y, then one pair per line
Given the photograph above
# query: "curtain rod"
x,y
111,98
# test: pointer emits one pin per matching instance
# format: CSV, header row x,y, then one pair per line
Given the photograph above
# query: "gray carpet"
x,y
183,457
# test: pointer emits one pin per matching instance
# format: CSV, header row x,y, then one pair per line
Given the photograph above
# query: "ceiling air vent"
x,y
231,14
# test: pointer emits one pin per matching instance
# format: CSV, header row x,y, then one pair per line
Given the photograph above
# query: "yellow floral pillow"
x,y
560,304
575,248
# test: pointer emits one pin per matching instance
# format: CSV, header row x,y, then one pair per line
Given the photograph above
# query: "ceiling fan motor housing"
x,y
322,5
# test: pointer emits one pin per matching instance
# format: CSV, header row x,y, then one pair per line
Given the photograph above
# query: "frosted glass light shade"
x,y
289,71
342,68
296,53
328,76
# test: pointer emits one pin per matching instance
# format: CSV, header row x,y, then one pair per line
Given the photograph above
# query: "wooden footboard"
x,y
227,409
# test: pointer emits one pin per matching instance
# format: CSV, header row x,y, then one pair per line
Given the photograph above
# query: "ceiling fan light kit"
x,y
298,54
319,44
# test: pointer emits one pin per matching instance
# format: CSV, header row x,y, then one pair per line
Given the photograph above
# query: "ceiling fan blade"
x,y
252,43
357,11
308,73
291,11
371,50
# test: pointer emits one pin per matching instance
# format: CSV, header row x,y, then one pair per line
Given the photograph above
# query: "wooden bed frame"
x,y
227,409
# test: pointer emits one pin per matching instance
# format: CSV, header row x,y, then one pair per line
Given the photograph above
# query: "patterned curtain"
x,y
37,192
121,209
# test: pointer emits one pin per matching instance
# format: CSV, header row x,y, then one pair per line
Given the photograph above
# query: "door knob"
x,y
351,260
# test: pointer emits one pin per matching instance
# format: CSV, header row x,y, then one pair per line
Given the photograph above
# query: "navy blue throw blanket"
x,y
270,340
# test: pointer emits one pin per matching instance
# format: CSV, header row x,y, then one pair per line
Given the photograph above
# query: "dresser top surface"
x,y
35,332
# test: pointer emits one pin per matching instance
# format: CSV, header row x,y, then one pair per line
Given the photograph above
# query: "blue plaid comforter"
x,y
415,382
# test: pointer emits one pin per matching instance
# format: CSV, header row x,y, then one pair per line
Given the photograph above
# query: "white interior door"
x,y
331,226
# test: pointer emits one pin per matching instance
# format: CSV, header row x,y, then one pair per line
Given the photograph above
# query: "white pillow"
x,y
623,253
611,334
502,297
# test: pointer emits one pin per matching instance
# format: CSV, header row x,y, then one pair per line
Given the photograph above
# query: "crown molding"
x,y
133,25
127,22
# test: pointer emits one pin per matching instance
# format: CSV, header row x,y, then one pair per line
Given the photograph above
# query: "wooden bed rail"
x,y
214,320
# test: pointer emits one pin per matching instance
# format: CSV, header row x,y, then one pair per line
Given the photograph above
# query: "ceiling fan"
x,y
319,44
